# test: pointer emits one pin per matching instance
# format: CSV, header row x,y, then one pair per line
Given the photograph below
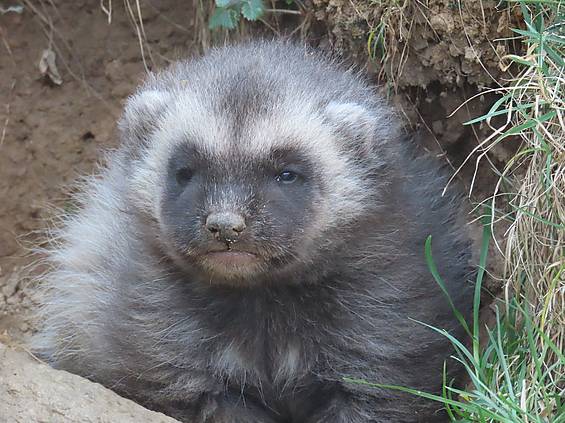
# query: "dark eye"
x,y
286,177
184,176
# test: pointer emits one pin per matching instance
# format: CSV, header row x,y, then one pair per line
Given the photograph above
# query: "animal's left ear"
x,y
354,122
365,127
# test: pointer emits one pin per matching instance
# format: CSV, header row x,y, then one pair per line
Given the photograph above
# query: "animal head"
x,y
255,159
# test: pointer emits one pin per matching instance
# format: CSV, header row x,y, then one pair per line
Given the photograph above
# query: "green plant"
x,y
228,12
393,24
502,387
519,374
532,106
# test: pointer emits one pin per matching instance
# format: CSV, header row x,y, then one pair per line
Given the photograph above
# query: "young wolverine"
x,y
256,240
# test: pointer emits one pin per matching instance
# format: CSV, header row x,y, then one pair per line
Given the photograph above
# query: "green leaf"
x,y
439,280
252,9
529,34
521,107
224,18
558,39
487,235
223,3
518,59
539,218
557,57
464,405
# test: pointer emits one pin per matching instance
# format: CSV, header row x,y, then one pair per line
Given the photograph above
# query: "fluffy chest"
x,y
268,341
276,363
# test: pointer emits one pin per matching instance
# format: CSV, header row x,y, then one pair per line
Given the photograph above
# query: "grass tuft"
x,y
528,339
394,24
518,375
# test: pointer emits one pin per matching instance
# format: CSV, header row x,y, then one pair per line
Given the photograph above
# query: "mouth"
x,y
231,258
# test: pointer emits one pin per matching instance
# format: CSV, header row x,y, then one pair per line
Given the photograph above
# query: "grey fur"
x,y
127,303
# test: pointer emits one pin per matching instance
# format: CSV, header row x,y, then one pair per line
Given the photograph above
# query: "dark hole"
x,y
87,136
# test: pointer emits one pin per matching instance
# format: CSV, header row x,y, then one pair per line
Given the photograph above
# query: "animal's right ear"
x,y
140,117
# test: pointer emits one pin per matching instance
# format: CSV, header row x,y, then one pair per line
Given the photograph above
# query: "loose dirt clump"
x,y
423,43
431,57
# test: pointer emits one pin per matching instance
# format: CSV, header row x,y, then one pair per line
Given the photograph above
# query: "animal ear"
x,y
351,119
364,127
140,116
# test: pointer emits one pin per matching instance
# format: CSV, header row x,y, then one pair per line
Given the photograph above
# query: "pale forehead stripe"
x,y
287,126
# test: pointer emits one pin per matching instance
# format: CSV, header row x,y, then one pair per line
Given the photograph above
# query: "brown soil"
x,y
436,41
50,134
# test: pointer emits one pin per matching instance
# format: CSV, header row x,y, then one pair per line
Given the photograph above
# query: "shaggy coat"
x,y
326,280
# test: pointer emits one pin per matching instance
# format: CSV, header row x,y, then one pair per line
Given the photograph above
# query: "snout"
x,y
225,226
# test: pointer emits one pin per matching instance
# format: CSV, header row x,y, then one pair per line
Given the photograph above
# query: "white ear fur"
x,y
355,124
352,119
141,114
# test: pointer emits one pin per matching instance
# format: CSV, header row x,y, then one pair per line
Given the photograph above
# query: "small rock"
x,y
10,283
48,66
32,392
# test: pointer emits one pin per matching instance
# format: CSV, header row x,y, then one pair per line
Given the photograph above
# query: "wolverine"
x,y
255,245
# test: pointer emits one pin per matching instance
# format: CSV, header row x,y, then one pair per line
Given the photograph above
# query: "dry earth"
x,y
52,133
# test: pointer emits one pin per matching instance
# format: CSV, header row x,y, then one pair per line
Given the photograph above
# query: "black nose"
x,y
225,226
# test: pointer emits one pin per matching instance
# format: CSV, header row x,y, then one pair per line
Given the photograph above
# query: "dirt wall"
x,y
434,60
